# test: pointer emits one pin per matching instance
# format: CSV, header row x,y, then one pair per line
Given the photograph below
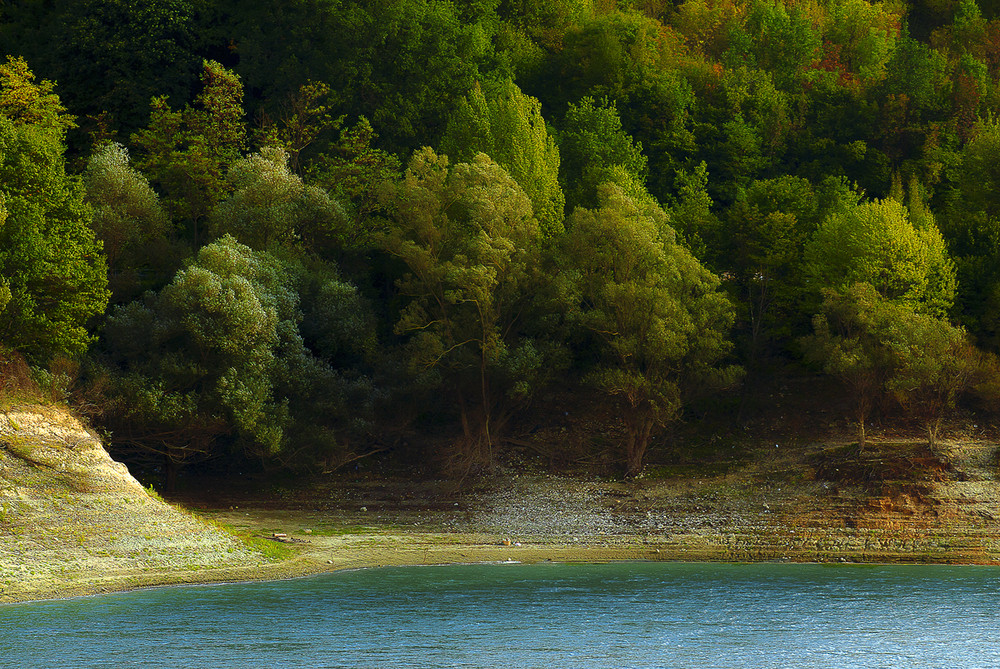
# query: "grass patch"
x,y
275,551
20,447
152,492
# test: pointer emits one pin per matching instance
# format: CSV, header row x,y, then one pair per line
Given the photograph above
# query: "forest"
x,y
292,235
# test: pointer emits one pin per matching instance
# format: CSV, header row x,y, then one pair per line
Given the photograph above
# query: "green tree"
x,y
213,332
270,206
848,343
185,153
916,71
691,213
353,171
594,149
544,21
936,363
876,243
783,39
660,323
764,235
507,125
744,136
300,119
215,365
969,210
469,240
879,348
27,102
129,221
53,276
766,231
866,34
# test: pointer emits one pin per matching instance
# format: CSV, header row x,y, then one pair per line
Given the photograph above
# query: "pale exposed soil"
x,y
71,518
72,521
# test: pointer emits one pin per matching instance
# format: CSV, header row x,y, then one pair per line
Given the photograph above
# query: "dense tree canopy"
x,y
616,201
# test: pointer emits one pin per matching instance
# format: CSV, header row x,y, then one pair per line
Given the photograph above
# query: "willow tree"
x,y
660,322
469,240
198,359
507,125
217,364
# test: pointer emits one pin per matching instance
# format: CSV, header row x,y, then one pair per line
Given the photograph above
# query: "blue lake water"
x,y
549,616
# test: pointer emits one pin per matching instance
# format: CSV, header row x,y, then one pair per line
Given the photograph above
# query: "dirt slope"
x,y
72,519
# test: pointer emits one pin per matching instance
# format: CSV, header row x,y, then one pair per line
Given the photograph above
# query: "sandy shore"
x,y
316,552
405,551
312,555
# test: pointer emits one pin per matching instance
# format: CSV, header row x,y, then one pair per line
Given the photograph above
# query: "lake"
x,y
550,616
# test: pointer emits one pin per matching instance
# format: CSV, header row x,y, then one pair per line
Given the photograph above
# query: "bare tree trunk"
x,y
474,450
933,429
169,471
639,431
633,458
864,408
487,402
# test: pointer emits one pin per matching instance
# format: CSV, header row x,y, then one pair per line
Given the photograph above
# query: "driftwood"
x,y
283,538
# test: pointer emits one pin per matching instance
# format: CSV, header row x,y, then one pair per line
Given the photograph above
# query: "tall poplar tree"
x,y
507,125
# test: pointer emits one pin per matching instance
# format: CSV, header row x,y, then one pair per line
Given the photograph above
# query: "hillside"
x,y
73,520
303,233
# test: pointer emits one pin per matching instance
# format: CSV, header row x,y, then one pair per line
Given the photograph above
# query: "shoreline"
x,y
414,549
74,523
